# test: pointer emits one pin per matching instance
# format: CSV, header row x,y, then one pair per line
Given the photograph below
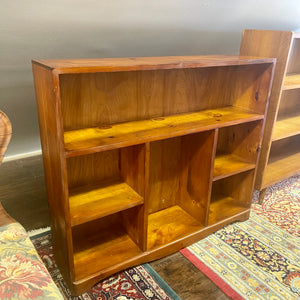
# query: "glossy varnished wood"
x,y
92,202
284,160
47,95
62,66
282,120
132,145
85,141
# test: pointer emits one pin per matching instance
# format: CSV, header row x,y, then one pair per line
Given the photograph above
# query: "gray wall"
x,y
115,28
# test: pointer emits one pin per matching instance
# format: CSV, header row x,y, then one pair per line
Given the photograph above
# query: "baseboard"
x,y
23,155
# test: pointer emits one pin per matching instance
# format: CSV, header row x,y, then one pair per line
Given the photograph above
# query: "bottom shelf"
x,y
169,225
222,207
100,245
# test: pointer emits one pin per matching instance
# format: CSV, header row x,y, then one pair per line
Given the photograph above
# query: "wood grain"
x,y
133,172
47,96
164,173
100,245
89,140
289,104
286,127
284,160
230,164
268,43
144,63
197,158
170,224
291,81
92,202
231,196
151,127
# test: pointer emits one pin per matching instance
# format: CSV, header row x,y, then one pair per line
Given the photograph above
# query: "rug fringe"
x,y
38,231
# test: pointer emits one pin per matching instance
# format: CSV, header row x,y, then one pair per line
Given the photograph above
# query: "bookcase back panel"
x,y
241,140
289,104
164,170
294,62
100,99
250,87
87,169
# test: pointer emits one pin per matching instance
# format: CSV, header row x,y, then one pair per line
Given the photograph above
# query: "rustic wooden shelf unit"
x,y
144,156
280,155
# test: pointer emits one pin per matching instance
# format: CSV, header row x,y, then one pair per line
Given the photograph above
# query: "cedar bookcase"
x,y
280,155
145,156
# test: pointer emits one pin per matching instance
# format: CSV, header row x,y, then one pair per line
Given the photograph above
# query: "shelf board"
x,y
223,207
280,167
286,127
168,225
102,249
91,140
291,81
92,202
229,164
68,66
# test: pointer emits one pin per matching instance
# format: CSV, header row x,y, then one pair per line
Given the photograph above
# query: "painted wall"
x,y
97,28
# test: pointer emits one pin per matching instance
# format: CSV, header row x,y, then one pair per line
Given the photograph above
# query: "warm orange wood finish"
x,y
282,121
144,156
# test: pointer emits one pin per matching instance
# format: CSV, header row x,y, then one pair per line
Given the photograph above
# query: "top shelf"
x,y
91,140
67,66
291,81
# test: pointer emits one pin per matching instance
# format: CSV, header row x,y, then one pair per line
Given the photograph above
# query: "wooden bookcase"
x,y
144,156
280,155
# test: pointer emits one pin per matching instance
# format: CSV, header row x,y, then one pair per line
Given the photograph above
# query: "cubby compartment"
x,y
230,196
284,159
103,111
103,243
104,183
237,149
288,118
180,171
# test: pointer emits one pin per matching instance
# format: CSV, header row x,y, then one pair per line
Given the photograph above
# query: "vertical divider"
x,y
197,159
213,156
132,167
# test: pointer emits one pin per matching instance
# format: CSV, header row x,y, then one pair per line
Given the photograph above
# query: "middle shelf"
x,y
286,127
107,137
98,200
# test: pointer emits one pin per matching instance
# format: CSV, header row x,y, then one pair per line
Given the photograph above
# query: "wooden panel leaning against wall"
x,y
280,154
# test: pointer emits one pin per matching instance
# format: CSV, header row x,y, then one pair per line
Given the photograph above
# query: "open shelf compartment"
x,y
104,111
237,149
104,183
180,171
99,200
230,196
284,160
89,140
101,244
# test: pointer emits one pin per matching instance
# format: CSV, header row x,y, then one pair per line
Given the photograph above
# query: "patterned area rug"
x,y
259,258
140,282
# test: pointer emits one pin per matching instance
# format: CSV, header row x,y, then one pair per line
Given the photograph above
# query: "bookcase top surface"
x,y
62,66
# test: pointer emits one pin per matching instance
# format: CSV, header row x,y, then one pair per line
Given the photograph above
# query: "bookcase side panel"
x,y
46,84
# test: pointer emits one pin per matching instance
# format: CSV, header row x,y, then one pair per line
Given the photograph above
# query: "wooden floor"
x,y
23,195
